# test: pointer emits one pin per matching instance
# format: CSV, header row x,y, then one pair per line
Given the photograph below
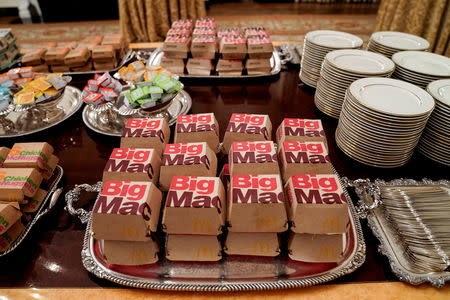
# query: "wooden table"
x,y
50,258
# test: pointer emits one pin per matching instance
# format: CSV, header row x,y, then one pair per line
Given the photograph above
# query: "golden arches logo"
x,y
13,197
267,222
326,253
204,251
261,247
139,256
331,224
130,232
202,225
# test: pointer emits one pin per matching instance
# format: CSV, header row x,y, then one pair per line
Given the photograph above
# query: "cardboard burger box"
x,y
7,238
310,130
35,202
29,155
252,244
77,57
146,133
177,46
253,158
256,203
204,32
229,67
234,47
186,159
3,154
132,164
250,32
304,158
102,65
198,128
130,253
247,127
317,204
16,184
259,47
316,248
175,65
195,205
9,214
103,53
193,248
126,211
199,66
55,56
60,68
258,66
34,57
204,47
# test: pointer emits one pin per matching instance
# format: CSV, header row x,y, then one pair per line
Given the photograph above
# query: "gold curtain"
x,y
429,19
149,20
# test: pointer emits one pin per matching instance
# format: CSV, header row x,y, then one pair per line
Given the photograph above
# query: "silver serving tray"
x,y
229,274
127,57
41,116
275,62
390,244
46,206
110,122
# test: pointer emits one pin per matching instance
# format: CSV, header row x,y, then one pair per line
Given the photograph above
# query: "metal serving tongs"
x,y
417,211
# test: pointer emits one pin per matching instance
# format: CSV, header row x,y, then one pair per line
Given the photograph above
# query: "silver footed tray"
x,y
41,116
411,220
53,193
275,63
110,119
231,273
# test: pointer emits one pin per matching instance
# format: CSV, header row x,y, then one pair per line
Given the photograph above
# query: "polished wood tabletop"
x,y
50,257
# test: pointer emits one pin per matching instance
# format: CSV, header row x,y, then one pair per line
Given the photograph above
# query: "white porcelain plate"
x,y
400,40
360,61
334,39
423,62
391,96
440,90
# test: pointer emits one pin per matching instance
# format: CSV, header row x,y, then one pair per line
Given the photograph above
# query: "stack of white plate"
x,y
317,44
420,68
339,69
381,121
390,42
435,140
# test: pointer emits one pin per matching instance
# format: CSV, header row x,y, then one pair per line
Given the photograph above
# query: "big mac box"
x,y
177,46
252,244
302,130
233,47
198,128
304,158
316,248
126,211
247,127
229,67
204,47
29,155
18,184
256,204
253,158
258,66
130,253
132,164
193,248
195,205
317,204
3,154
175,65
199,66
7,238
9,214
186,159
259,47
146,133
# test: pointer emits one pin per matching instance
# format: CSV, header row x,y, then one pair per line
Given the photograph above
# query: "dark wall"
x,y
78,10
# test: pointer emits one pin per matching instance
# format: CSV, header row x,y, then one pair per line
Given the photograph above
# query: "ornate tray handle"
x,y
368,194
74,195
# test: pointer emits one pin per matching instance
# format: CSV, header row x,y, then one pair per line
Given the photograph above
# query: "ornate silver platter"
x,y
410,219
46,206
41,116
111,121
275,63
229,274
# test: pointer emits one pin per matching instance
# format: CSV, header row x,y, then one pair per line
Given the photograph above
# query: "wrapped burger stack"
x,y
8,48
